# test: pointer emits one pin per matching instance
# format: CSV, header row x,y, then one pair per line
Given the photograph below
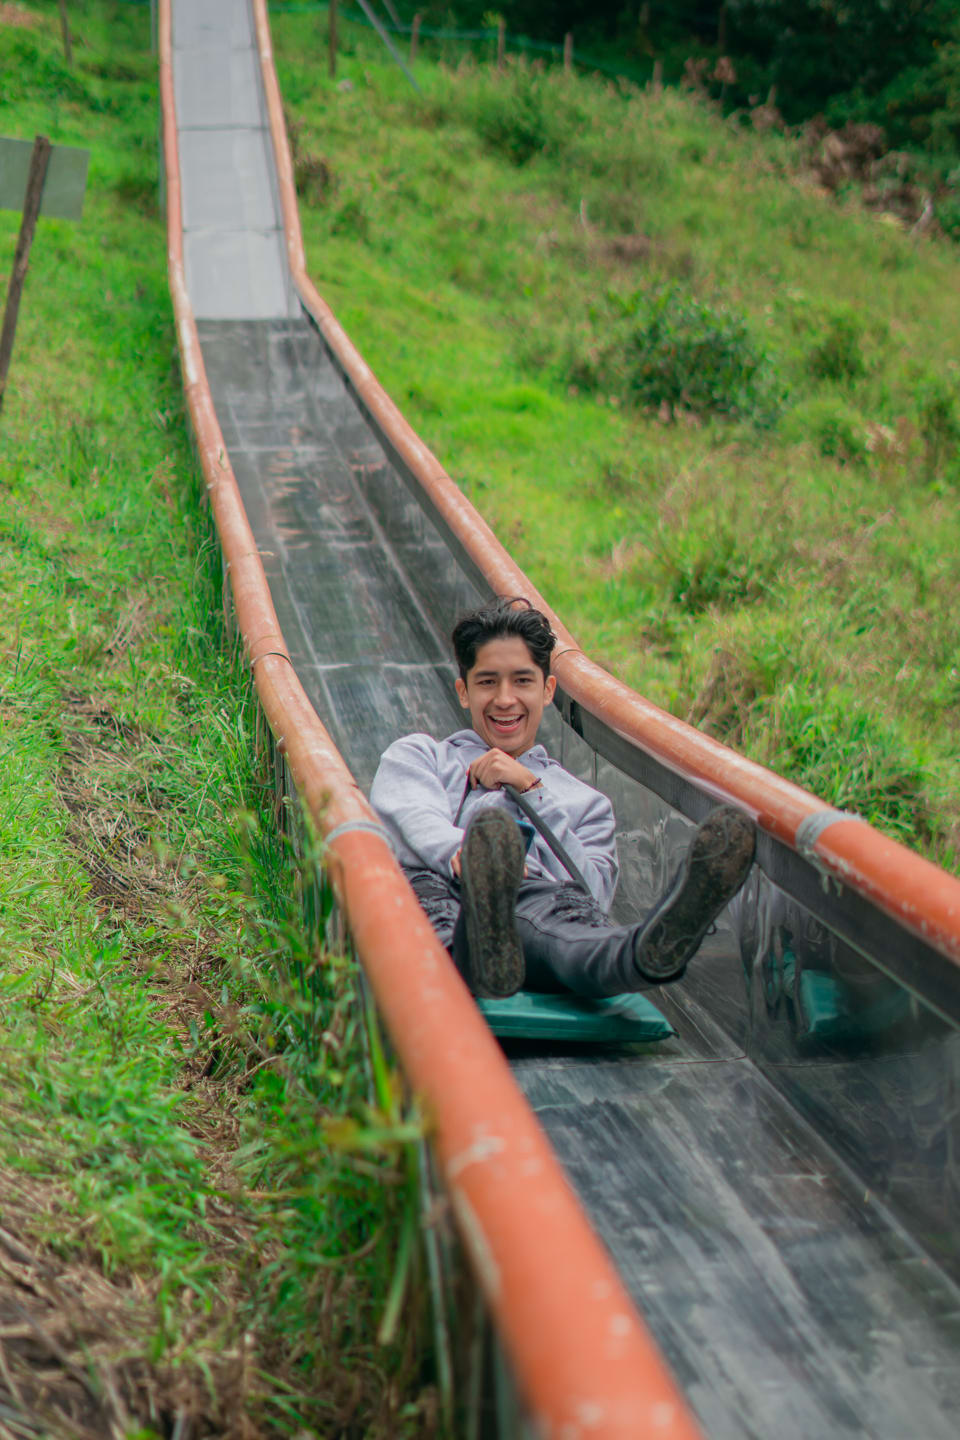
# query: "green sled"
x,y
623,1019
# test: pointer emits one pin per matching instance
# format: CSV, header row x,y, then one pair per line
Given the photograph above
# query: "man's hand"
x,y
497,768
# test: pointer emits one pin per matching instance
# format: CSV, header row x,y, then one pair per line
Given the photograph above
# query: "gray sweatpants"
x,y
568,942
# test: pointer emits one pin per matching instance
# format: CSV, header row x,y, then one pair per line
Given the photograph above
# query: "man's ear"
x,y
549,688
462,694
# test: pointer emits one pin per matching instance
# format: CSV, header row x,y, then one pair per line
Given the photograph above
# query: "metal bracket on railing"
x,y
809,832
370,826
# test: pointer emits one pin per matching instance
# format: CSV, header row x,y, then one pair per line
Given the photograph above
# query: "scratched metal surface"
x,y
785,1294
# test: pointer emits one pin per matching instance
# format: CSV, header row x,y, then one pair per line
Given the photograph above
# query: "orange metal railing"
x,y
583,1358
915,893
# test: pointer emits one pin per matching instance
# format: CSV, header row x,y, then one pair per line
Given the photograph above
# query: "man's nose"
x,y
505,694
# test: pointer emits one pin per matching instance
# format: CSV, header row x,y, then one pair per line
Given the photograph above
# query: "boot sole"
x,y
716,865
491,871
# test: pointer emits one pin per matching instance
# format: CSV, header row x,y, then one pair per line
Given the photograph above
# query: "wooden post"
x,y
414,37
568,51
21,259
65,30
332,39
501,42
657,77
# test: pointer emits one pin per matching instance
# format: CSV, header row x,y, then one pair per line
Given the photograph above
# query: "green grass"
x,y
175,1045
711,412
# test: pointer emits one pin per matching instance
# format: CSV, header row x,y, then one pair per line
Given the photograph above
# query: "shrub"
x,y
836,429
693,357
837,353
667,350
510,115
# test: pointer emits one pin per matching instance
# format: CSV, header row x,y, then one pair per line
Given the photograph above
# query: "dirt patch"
x,y
74,1343
105,790
313,175
858,154
633,249
132,623
13,15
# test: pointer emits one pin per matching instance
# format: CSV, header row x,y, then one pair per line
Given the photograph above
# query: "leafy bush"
x,y
510,114
836,429
688,355
667,350
837,353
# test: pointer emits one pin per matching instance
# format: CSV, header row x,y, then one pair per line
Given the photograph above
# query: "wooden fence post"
x,y
65,31
568,51
332,39
501,42
657,82
31,209
414,37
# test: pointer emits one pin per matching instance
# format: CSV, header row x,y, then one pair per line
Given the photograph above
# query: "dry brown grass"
x,y
75,1343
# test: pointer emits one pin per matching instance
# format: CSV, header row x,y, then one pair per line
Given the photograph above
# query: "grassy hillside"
x,y
712,412
179,1247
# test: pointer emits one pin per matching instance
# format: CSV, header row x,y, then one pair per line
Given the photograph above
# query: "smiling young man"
x,y
494,889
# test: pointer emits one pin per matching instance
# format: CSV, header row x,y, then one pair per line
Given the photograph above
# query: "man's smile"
x,y
506,723
506,691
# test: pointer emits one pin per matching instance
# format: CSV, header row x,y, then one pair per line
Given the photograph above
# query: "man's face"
x,y
505,693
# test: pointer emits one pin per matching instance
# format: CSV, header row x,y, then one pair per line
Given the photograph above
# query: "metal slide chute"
x,y
777,1185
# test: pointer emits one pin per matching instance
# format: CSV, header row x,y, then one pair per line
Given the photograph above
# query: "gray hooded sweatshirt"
x,y
420,784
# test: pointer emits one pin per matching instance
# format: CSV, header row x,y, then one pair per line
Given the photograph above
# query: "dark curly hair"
x,y
504,617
